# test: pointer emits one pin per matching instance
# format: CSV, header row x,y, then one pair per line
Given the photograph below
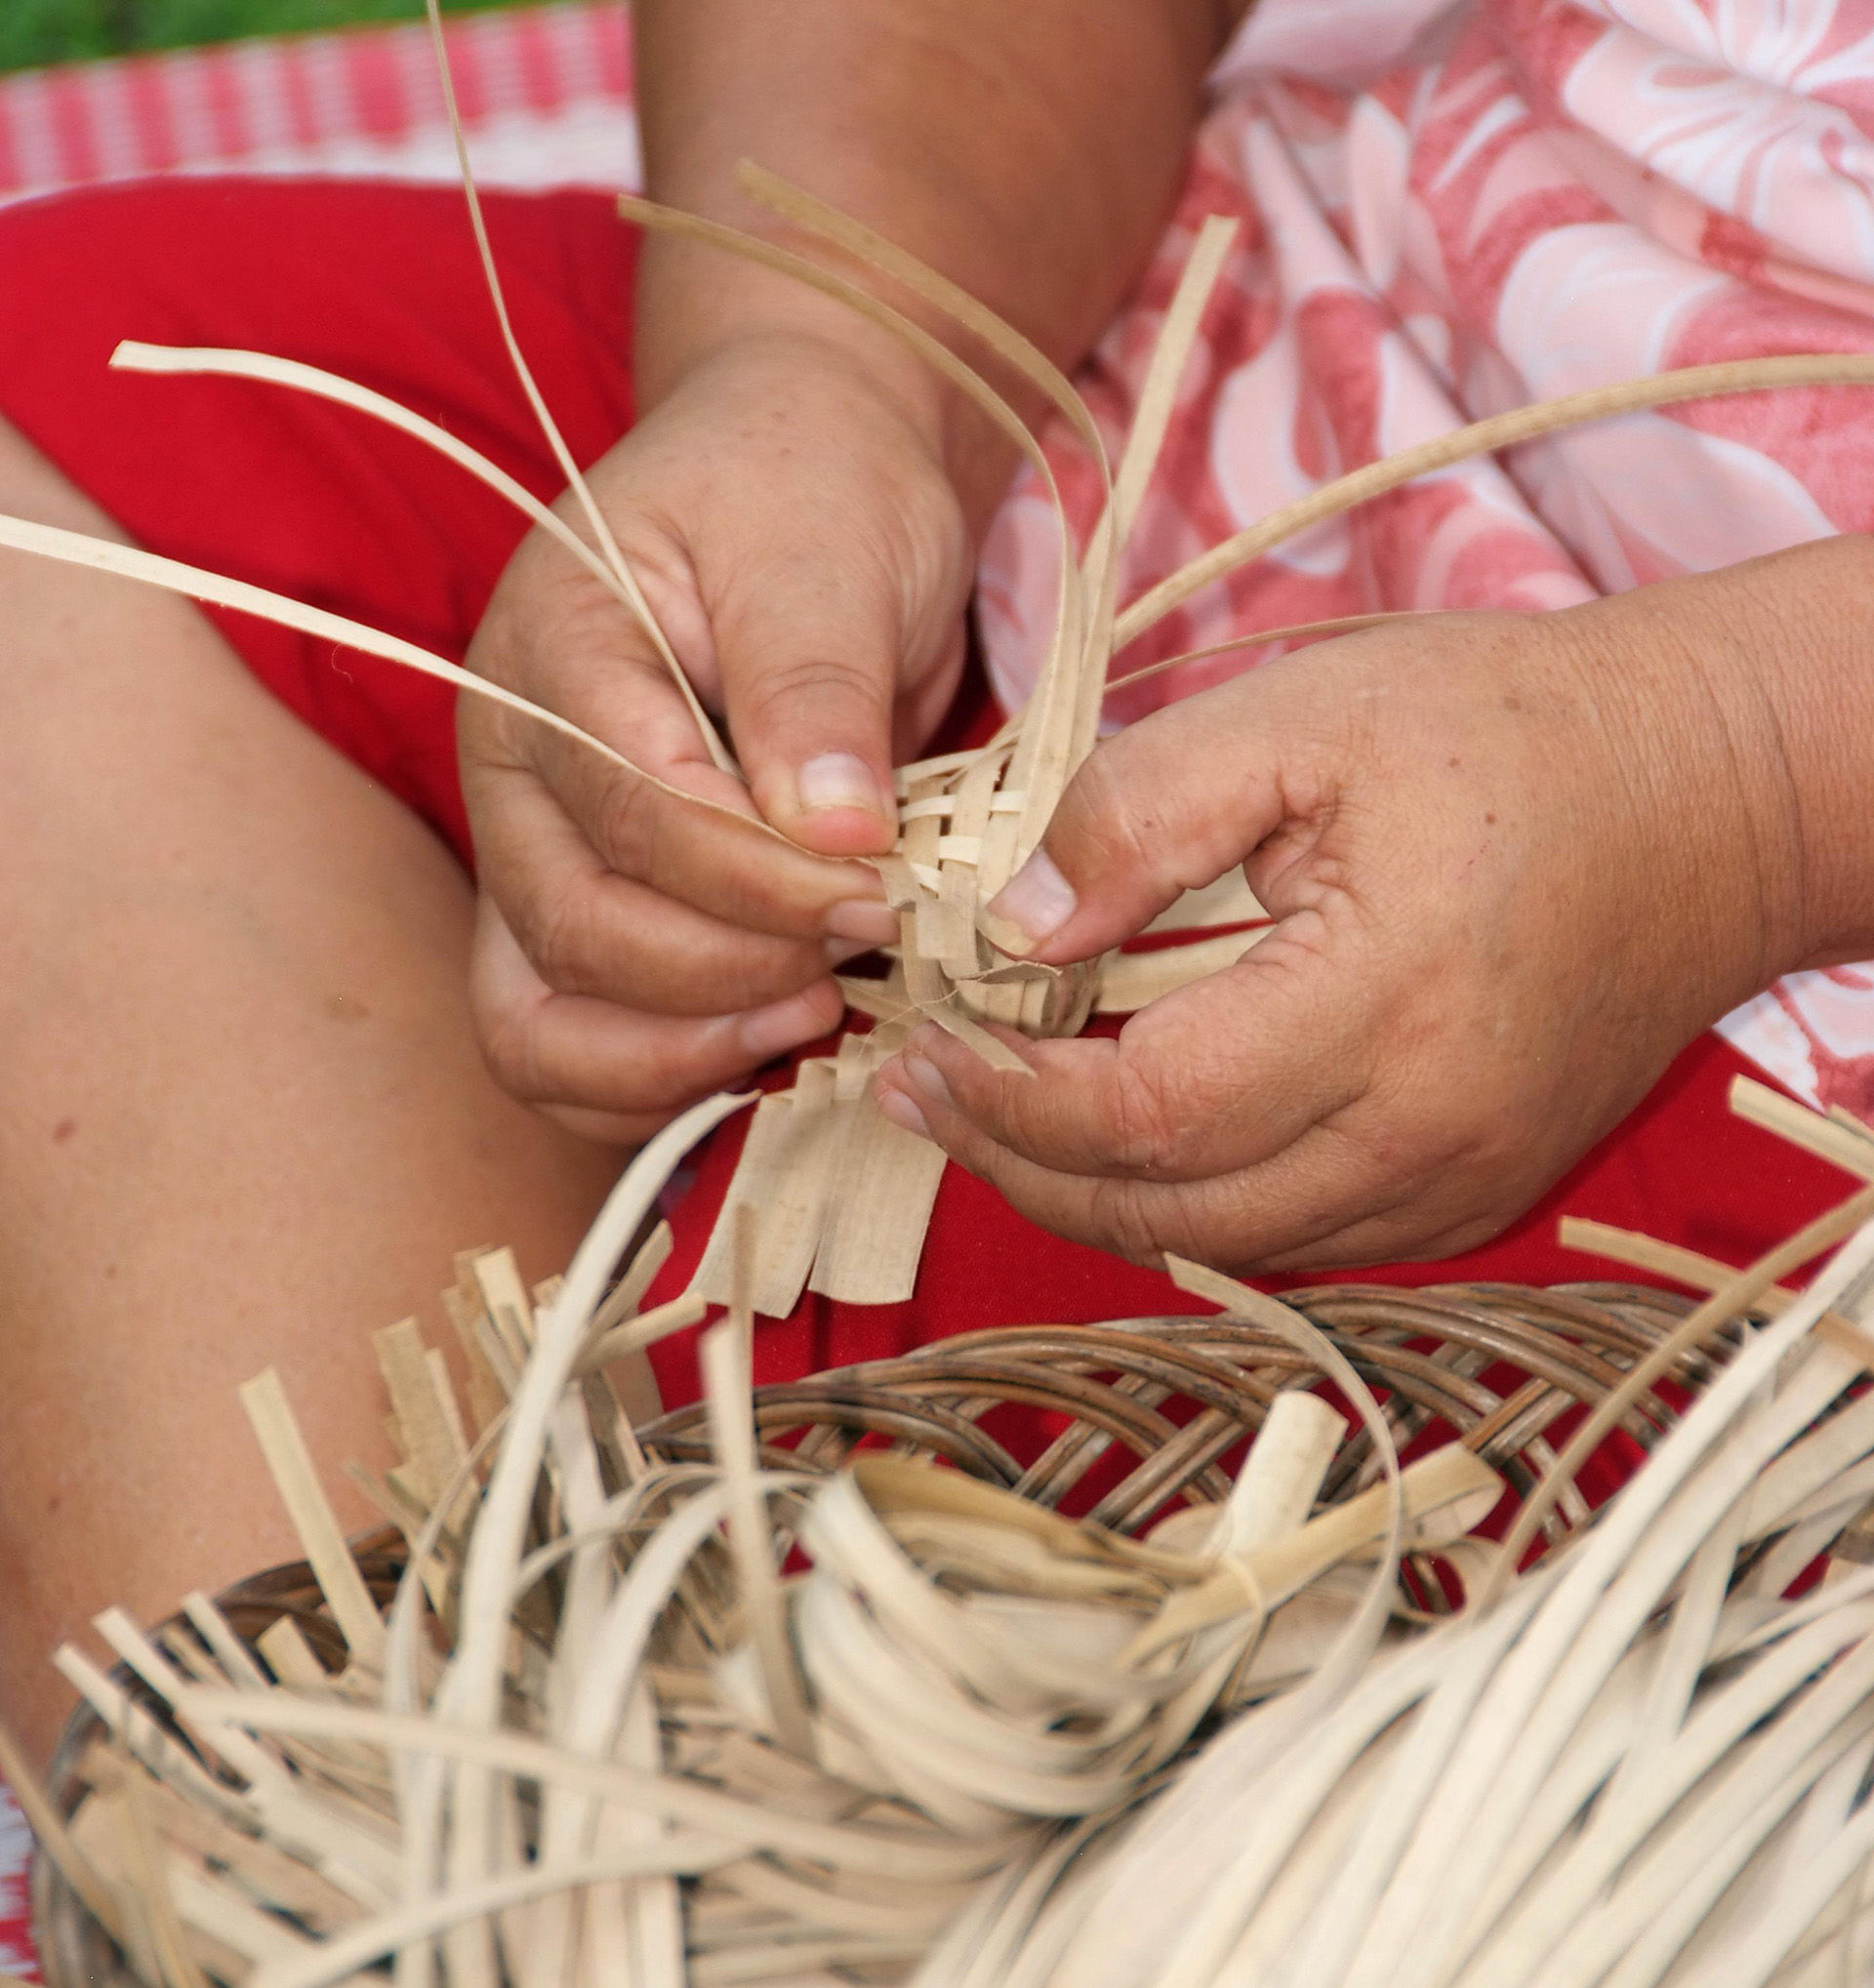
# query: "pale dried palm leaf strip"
x,y
430,1435
637,1335
1758,1105
1130,981
1604,1590
155,1878
230,1652
877,1000
1170,358
236,1751
785,1172
1144,444
135,357
647,214
892,1852
962,881
1226,901
346,1954
174,576
470,1691
1482,437
290,1464
55,1840
938,765
1200,1862
1739,1295
726,1351
1511,1906
920,839
1386,1953
1061,719
595,517
1679,1875
797,205
1666,1259
877,1211
1295,631
603,1715
1840,1115
627,1294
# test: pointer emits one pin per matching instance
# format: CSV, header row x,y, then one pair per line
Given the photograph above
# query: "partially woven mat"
x,y
545,97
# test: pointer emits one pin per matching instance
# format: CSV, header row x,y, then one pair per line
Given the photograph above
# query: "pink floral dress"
x,y
1447,211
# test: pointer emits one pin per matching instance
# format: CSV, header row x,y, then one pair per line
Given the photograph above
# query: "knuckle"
x,y
789,685
1152,1130
1124,1220
506,1037
1108,823
559,943
626,825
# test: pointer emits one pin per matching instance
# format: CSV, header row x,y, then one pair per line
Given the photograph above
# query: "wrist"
x,y
697,305
1754,699
1809,617
1698,813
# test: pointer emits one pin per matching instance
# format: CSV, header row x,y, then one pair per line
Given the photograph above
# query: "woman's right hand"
x,y
787,510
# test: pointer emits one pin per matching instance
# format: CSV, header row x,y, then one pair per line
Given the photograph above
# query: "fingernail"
x,y
838,780
785,1024
927,1077
900,1109
863,919
1038,900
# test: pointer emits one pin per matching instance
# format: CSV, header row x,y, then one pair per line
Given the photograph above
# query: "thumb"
x,y
809,681
1163,807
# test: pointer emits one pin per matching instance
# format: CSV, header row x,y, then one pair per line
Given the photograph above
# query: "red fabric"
x,y
380,284
1682,1167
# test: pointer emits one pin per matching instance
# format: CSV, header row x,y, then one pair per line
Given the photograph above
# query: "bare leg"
x,y
242,1116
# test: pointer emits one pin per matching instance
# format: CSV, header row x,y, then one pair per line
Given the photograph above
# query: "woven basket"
x,y
1144,1413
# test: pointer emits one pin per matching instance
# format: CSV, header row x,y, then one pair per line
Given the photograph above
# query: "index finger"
x,y
1222,1075
670,819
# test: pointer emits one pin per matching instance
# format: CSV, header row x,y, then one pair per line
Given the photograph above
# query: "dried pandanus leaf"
x,y
861,1191
630,1715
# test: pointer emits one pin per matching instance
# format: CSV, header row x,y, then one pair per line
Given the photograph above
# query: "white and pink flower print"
x,y
1447,211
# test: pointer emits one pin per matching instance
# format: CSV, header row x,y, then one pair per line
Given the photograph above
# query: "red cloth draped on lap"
x,y
380,284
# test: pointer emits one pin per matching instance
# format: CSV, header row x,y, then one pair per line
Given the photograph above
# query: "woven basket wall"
x,y
1122,1420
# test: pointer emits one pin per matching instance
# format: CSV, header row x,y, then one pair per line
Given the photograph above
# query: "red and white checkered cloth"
x,y
545,93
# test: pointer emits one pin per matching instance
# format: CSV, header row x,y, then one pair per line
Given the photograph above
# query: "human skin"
x,y
202,1004
803,497
1517,863
245,1117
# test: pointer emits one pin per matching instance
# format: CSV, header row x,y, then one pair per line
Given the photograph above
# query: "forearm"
x,y
1779,653
1031,152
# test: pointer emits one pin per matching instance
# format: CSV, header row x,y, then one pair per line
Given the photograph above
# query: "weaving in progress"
x,y
1278,1642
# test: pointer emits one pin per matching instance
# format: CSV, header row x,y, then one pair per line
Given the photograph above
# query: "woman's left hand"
x,y
1515,864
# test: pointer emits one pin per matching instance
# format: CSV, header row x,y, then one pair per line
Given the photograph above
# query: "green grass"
x,y
36,32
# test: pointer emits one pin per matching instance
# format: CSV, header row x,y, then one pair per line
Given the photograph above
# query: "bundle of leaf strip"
x,y
1641,1762
610,1728
603,1733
